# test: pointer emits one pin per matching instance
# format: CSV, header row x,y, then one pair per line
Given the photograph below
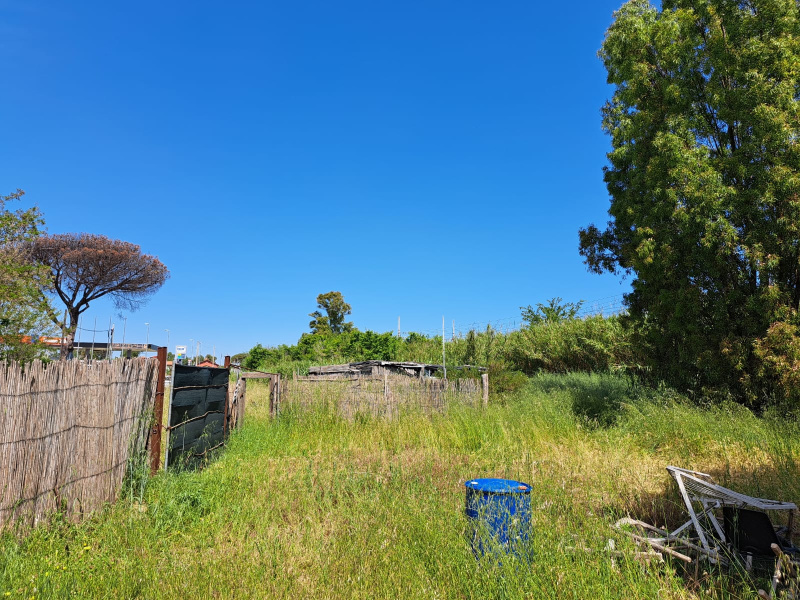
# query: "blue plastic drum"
x,y
499,513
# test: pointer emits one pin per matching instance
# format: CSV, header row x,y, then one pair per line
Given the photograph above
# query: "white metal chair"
x,y
702,496
743,532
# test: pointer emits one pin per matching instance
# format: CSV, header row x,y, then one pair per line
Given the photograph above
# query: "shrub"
x,y
594,344
503,380
591,345
778,373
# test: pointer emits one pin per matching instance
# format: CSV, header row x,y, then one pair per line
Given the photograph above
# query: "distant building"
x,y
207,363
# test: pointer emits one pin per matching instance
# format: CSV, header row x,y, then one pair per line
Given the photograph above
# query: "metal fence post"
x,y
225,428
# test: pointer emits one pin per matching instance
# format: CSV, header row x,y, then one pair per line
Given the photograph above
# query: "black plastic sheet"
x,y
197,414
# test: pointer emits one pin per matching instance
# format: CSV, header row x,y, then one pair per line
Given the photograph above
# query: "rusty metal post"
x,y
225,428
158,412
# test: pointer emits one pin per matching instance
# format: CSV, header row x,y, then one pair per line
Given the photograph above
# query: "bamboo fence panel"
x,y
67,431
380,395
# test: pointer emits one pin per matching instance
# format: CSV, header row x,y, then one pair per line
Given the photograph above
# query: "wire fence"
x,y
608,306
67,431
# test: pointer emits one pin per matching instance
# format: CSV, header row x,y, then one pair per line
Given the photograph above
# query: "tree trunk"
x,y
69,335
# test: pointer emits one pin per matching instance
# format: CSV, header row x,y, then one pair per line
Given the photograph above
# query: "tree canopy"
x,y
23,313
704,180
84,267
336,309
555,311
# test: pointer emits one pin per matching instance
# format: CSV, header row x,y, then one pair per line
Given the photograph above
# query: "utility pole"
x,y
147,343
444,363
398,326
94,331
167,330
454,329
64,334
78,352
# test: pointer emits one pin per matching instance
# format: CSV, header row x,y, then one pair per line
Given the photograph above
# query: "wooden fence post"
x,y
158,412
272,394
277,395
241,404
485,384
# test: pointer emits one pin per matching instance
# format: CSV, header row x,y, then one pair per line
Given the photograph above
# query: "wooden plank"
x,y
660,547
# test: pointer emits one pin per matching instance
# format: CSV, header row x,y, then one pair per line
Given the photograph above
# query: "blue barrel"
x,y
499,513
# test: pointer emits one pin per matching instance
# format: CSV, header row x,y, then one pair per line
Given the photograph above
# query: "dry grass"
x,y
379,395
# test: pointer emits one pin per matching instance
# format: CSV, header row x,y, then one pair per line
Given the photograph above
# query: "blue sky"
x,y
423,158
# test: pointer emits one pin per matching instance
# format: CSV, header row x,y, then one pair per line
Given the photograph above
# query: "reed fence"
x,y
381,394
67,432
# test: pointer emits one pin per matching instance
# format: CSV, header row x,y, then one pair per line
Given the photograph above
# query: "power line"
x,y
92,330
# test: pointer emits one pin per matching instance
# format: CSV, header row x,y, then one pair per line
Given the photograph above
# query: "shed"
x,y
375,367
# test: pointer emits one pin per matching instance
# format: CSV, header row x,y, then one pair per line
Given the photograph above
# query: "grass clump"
x,y
313,506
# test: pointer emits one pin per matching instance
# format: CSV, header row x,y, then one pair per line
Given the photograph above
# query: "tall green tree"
x,y
23,313
704,179
333,321
555,311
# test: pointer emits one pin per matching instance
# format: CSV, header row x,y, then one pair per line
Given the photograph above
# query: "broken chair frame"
x,y
703,533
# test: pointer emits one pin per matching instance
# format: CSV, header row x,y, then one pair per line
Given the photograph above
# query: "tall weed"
x,y
309,505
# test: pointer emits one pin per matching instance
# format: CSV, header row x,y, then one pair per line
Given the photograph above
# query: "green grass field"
x,y
310,506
